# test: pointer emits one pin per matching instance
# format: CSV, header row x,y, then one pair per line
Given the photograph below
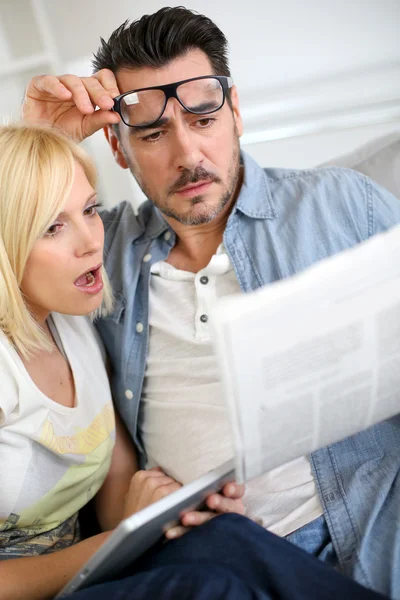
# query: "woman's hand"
x,y
147,487
69,102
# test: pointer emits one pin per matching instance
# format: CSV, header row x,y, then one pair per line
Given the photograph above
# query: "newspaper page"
x,y
314,358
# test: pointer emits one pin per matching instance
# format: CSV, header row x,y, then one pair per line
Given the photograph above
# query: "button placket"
x,y
205,295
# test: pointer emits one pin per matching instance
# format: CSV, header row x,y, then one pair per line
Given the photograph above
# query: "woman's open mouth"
x,y
91,281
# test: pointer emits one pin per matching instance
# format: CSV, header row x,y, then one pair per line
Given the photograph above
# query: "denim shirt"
x,y
283,221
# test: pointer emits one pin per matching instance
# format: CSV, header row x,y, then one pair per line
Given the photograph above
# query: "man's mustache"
x,y
188,177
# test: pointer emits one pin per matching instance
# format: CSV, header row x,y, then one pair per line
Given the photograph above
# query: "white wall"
x,y
273,42
316,78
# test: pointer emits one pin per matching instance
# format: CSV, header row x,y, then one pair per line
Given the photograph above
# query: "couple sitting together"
x,y
100,307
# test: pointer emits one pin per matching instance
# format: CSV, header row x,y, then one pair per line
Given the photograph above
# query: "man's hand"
x,y
69,102
228,501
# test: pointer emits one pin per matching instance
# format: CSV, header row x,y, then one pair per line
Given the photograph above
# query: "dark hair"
x,y
157,39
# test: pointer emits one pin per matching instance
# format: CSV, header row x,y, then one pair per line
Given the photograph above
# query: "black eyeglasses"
x,y
199,95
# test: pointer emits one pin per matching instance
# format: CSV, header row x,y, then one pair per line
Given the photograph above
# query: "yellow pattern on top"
x,y
85,440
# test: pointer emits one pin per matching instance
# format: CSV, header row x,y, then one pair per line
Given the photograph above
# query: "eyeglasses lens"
x,y
200,96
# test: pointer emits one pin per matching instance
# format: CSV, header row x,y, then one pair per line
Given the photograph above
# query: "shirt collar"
x,y
255,198
152,222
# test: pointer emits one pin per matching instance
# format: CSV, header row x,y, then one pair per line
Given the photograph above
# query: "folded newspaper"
x,y
314,358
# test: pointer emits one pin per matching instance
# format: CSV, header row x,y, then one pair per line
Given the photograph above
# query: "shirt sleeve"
x,y
120,223
385,208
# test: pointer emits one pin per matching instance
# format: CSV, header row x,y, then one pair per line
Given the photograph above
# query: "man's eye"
x,y
204,123
153,137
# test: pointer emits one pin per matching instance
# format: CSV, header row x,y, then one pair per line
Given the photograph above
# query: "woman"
x,y
60,443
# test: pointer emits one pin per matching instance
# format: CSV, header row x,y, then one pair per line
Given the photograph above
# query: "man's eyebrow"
x,y
140,128
89,198
201,109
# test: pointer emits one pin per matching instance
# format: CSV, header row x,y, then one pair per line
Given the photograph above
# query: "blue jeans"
x,y
228,558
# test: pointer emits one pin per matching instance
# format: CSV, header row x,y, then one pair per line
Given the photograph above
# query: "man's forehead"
x,y
193,64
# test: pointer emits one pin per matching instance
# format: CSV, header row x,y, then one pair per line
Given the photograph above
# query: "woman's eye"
x,y
92,210
53,229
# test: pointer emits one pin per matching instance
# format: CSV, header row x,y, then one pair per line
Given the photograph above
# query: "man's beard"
x,y
197,176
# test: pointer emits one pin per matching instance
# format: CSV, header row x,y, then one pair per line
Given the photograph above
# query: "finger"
x,y
79,93
108,81
98,120
225,505
97,93
215,501
143,476
233,490
166,490
196,518
157,469
157,481
176,532
49,84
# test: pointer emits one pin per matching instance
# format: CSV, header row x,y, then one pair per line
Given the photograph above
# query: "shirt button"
x,y
139,327
204,318
204,279
167,236
146,257
128,394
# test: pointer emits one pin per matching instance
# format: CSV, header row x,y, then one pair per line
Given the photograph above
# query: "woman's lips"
x,y
195,190
91,282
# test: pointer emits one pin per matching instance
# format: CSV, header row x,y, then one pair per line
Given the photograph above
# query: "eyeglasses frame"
x,y
170,91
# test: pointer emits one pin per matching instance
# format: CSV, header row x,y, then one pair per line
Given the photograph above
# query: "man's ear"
x,y
115,145
236,111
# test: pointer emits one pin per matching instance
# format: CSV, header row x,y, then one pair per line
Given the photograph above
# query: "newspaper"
x,y
314,358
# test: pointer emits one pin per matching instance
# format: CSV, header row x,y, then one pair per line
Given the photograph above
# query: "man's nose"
x,y
185,146
187,154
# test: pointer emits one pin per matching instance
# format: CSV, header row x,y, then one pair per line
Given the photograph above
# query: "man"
x,y
215,224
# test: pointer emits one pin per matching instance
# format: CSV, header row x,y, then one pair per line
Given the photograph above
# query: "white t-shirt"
x,y
53,459
184,421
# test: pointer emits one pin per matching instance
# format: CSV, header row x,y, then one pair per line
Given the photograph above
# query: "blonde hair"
x,y
37,169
